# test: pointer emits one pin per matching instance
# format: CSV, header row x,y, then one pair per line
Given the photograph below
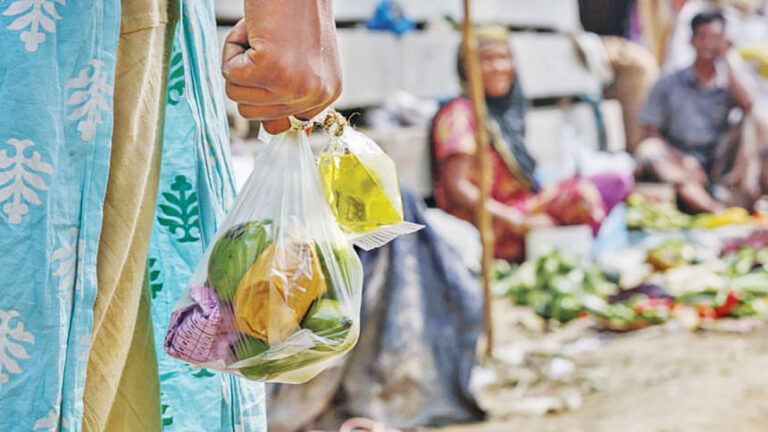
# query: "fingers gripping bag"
x,y
277,296
361,185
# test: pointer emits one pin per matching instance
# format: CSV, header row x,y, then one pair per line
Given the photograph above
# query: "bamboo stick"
x,y
482,216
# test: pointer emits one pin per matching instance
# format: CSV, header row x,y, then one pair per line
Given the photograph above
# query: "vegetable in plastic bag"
x,y
277,297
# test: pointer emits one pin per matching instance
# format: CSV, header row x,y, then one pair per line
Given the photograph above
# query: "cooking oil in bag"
x,y
362,190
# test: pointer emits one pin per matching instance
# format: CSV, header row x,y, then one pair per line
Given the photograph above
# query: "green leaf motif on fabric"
x,y
176,81
181,213
155,285
167,419
203,373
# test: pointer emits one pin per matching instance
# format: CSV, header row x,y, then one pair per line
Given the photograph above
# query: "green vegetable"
x,y
556,286
566,308
746,260
502,269
750,308
646,215
708,296
327,317
346,261
755,284
250,347
330,324
619,312
671,254
635,312
233,254
335,340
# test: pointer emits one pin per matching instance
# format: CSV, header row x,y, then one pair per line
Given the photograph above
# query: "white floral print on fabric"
x,y
196,128
85,349
70,262
18,179
37,15
49,422
89,98
51,182
11,348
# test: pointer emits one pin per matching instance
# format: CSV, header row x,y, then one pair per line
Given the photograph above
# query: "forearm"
x,y
466,195
698,198
306,24
266,10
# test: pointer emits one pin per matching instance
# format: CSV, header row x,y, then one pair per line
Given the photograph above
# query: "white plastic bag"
x,y
277,295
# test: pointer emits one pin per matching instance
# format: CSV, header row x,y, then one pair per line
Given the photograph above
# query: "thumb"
x,y
275,127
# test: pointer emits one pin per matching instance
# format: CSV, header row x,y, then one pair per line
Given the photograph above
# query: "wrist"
x,y
273,15
515,217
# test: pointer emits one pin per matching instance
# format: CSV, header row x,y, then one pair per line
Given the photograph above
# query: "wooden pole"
x,y
656,18
482,216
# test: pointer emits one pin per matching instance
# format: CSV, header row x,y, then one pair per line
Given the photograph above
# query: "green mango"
x,y
326,318
345,259
233,254
249,347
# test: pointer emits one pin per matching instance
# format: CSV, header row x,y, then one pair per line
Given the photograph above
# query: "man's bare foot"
x,y
698,199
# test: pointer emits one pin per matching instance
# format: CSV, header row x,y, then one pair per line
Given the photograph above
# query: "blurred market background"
x,y
654,322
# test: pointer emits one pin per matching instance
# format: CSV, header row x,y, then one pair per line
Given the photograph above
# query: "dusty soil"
x,y
658,379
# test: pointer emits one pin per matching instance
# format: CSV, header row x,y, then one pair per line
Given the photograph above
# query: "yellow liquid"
x,y
363,191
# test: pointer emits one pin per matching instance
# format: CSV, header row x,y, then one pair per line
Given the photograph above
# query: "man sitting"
x,y
688,135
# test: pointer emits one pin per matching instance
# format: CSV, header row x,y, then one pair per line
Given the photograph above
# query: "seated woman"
x,y
517,202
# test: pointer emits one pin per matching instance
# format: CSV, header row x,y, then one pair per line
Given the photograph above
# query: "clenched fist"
x,y
282,59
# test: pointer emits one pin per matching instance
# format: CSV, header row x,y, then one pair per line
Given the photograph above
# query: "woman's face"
x,y
498,68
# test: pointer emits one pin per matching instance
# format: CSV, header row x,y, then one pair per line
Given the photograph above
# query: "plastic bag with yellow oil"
x,y
363,190
277,296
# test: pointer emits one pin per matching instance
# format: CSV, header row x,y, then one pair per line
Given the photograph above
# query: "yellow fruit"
x,y
277,291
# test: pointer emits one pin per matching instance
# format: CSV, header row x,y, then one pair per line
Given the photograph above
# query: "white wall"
x,y
557,14
376,64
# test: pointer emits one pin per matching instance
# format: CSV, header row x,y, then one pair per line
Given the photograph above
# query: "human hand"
x,y
521,224
539,220
725,48
282,59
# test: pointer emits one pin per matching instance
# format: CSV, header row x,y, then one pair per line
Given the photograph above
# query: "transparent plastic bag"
x,y
277,296
362,187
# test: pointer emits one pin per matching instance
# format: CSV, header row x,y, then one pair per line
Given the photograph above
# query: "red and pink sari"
x,y
574,201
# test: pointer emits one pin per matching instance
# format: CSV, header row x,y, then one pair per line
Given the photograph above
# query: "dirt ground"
x,y
663,378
